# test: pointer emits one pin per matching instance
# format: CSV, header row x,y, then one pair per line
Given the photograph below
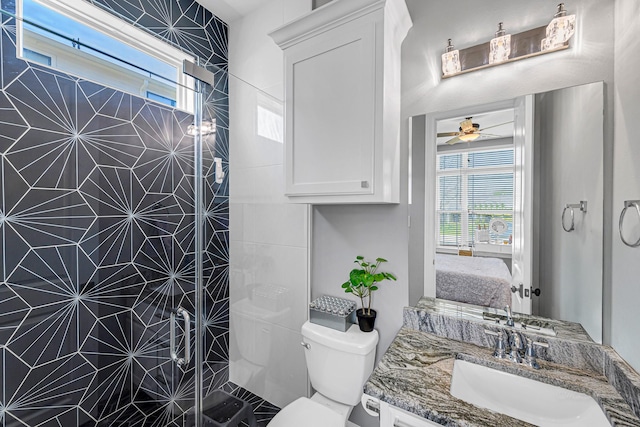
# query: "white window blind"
x,y
473,188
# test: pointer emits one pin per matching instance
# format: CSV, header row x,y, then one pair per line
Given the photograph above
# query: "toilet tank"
x,y
339,363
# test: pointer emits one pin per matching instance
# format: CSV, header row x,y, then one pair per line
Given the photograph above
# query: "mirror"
x,y
508,189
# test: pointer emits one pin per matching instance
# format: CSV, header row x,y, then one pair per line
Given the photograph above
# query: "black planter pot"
x,y
366,321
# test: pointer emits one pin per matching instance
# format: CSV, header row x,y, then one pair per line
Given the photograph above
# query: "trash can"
x,y
221,409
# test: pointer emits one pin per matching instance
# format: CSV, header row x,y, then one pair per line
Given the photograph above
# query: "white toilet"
x,y
339,363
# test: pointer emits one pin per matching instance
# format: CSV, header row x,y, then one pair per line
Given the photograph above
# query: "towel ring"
x,y
627,205
582,206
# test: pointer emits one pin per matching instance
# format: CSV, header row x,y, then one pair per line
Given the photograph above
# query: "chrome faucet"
x,y
517,347
500,350
509,316
516,350
530,357
516,344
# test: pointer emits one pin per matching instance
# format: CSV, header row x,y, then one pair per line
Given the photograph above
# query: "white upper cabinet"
x,y
342,102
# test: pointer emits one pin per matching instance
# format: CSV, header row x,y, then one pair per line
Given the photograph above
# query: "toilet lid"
x,y
305,412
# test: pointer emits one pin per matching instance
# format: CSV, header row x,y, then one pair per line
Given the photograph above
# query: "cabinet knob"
x,y
364,184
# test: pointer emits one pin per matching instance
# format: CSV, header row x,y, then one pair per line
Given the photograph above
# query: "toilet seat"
x,y
305,412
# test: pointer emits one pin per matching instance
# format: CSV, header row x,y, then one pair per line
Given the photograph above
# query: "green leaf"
x,y
363,281
355,277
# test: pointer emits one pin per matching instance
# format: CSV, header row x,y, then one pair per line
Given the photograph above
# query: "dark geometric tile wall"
x,y
97,236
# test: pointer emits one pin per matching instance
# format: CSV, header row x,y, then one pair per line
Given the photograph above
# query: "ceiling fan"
x,y
468,132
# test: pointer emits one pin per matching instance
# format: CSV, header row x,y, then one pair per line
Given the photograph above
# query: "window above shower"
x,y
81,39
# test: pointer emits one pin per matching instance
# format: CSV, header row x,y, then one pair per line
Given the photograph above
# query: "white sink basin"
x,y
528,400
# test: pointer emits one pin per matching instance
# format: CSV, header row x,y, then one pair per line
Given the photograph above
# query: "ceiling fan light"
x,y
467,126
468,137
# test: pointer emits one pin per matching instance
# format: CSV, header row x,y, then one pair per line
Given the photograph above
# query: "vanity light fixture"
x,y
500,46
559,30
450,60
504,48
207,128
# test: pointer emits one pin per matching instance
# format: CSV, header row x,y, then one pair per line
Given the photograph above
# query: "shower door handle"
x,y
180,361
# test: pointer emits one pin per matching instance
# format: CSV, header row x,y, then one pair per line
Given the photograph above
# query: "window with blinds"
x,y
473,188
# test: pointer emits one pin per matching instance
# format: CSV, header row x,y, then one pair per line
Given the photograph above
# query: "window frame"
x,y
465,171
52,58
100,20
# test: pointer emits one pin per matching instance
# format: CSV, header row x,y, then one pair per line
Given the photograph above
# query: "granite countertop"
x,y
563,329
415,375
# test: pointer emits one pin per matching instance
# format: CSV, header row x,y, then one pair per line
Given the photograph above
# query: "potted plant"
x,y
362,283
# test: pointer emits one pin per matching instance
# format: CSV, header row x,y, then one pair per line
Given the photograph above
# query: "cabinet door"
x,y
330,86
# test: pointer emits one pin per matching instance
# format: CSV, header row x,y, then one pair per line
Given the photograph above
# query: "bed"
x,y
473,280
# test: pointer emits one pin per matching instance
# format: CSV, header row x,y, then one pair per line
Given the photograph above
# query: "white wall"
x,y
341,232
589,59
625,316
269,237
468,22
568,143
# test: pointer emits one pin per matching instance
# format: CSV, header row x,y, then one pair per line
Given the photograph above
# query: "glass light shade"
x,y
206,129
469,137
559,31
450,63
500,49
450,60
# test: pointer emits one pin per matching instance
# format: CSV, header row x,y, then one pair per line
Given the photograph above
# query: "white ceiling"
x,y
230,10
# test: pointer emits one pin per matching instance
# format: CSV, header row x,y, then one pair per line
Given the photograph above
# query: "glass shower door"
x,y
102,223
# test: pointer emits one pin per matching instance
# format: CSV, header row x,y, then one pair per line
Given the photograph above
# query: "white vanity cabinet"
x,y
391,416
342,102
